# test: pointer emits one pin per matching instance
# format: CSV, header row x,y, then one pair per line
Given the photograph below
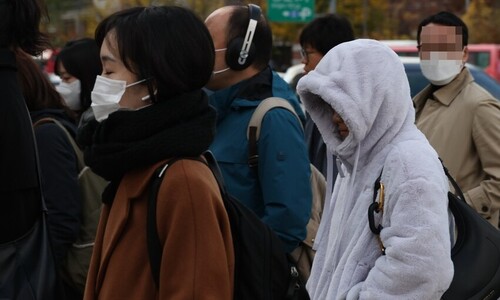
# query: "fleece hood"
x,y
343,81
365,83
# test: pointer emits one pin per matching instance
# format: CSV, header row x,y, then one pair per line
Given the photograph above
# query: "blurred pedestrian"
x,y
459,117
58,160
78,64
19,188
278,190
150,108
26,264
316,39
359,97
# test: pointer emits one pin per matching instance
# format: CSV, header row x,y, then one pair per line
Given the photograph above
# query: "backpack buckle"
x,y
253,161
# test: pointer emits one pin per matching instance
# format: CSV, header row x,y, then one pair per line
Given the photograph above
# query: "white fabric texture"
x,y
365,83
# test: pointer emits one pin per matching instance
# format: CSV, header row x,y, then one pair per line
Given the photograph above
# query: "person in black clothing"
x,y
316,39
19,188
57,158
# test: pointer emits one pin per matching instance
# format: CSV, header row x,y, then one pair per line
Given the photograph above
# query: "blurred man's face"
x,y
442,54
441,42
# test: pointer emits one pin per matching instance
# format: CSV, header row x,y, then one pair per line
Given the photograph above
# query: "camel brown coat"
x,y
193,227
463,125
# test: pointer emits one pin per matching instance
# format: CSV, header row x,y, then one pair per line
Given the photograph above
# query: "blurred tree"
x,y
379,19
407,14
483,20
368,17
69,19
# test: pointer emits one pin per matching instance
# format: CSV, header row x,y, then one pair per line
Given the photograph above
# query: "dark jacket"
x,y
59,166
279,191
19,188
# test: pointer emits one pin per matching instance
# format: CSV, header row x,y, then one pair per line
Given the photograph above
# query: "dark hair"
x,y
447,19
262,39
19,23
81,59
168,44
326,32
38,91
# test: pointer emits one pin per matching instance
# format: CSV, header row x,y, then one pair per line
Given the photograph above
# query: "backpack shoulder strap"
x,y
458,191
214,167
253,130
76,149
153,240
265,106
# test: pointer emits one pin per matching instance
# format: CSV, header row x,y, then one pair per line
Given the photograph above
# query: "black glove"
x,y
5,23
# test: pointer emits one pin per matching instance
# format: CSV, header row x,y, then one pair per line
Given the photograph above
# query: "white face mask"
x,y
106,96
439,70
70,93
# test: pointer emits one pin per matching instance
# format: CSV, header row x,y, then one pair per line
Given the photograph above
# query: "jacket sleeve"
x,y
198,258
284,176
60,187
417,264
486,135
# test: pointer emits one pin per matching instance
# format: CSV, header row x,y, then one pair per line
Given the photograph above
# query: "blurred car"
x,y
415,77
418,81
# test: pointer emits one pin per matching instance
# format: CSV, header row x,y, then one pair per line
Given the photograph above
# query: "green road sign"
x,y
290,10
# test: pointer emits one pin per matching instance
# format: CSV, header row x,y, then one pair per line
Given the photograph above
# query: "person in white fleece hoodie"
x,y
359,98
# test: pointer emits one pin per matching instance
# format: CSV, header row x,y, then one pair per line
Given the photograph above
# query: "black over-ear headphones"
x,y
240,51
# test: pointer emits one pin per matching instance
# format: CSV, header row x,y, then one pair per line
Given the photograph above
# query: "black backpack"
x,y
475,255
263,270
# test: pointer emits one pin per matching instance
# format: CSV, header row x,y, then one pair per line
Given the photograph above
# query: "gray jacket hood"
x,y
343,81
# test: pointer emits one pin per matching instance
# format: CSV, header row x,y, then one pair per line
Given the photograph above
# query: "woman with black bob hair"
x,y
78,64
150,109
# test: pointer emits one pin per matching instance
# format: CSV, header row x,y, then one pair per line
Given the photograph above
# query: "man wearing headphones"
x,y
278,190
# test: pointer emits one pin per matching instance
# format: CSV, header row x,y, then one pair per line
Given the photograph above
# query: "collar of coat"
x,y
447,93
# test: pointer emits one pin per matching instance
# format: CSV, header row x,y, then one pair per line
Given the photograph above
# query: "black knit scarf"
x,y
127,140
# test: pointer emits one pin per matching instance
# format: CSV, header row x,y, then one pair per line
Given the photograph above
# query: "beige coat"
x,y
193,227
463,125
